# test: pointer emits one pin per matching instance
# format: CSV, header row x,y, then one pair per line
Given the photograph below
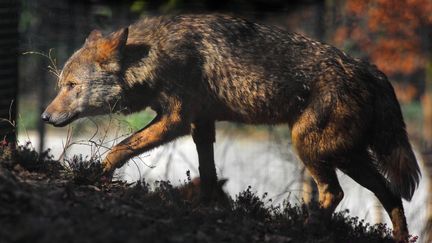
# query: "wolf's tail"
x,y
393,152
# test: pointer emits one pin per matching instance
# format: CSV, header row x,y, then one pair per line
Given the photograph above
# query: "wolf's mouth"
x,y
64,120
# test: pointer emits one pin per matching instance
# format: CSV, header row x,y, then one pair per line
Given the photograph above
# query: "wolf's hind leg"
x,y
330,192
314,147
359,166
203,134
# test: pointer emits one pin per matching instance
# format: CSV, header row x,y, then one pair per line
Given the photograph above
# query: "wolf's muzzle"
x,y
45,116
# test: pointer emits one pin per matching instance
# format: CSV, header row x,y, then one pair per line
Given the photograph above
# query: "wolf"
x,y
194,70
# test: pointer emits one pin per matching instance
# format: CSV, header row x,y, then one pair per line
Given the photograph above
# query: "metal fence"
x,y
8,68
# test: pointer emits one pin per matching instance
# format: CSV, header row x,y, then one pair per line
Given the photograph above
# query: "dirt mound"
x,y
43,201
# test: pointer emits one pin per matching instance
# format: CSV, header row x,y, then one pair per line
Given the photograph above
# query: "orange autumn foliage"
x,y
389,31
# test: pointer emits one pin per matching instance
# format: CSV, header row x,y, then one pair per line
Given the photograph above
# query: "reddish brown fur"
x,y
195,70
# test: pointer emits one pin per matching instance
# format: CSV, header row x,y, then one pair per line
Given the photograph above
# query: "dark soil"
x,y
43,201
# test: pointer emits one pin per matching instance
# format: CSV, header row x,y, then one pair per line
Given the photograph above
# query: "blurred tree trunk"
x,y
427,105
427,150
8,69
378,212
426,147
63,25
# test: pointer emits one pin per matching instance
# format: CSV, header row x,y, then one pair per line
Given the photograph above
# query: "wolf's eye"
x,y
70,85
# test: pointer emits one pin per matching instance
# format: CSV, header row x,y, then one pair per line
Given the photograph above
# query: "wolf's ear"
x,y
113,45
94,36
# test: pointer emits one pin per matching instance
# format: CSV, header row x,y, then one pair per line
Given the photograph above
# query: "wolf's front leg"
x,y
161,130
203,134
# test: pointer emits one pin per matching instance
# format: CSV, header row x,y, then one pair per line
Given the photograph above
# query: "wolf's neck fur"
x,y
138,61
136,69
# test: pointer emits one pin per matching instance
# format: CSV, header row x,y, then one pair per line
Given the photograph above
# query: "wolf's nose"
x,y
45,116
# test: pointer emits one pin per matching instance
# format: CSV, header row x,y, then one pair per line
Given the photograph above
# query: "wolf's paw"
x,y
318,220
192,192
105,179
403,237
107,175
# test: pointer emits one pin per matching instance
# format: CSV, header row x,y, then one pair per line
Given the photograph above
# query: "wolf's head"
x,y
90,82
